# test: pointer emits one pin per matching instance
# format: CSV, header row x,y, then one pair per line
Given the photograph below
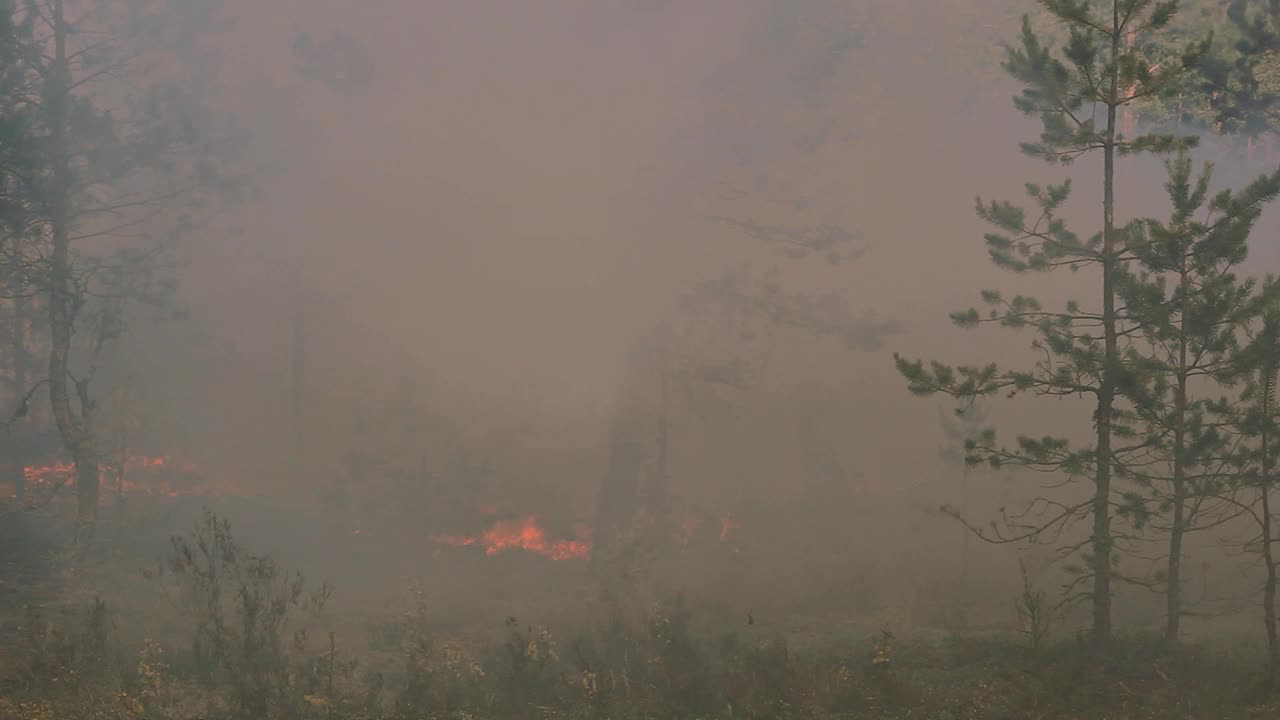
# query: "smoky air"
x,y
639,359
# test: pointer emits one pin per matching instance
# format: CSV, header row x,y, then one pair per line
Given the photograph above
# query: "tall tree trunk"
x,y
1173,619
1267,401
630,436
121,460
1173,598
658,492
965,532
74,428
298,358
619,493
17,453
1129,117
1268,558
1101,538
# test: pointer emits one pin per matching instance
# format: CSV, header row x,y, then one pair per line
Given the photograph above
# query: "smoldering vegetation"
x,y
614,359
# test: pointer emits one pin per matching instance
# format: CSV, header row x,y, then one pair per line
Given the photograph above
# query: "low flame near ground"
x,y
528,535
521,534
164,477
136,475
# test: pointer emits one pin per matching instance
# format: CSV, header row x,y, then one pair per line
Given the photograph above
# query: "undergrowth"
x,y
248,640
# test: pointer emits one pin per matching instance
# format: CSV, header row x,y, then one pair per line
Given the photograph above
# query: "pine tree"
x,y
1253,417
18,174
1098,70
1241,79
1182,294
1188,106
114,96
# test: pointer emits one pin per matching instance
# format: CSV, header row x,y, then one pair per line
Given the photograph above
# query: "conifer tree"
x,y
18,171
1241,79
125,147
1253,418
1182,294
1078,93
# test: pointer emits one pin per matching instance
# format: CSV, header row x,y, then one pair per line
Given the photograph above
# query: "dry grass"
x,y
226,633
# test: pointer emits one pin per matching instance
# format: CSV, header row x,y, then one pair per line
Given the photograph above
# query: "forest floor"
x,y
93,637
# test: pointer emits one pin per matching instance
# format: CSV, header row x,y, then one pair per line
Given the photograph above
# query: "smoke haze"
x,y
465,215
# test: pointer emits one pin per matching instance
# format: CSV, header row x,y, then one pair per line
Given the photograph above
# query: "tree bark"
x,y
1268,382
658,495
619,493
1101,537
1129,118
629,439
1268,557
75,428
17,453
965,532
1173,598
1177,530
298,355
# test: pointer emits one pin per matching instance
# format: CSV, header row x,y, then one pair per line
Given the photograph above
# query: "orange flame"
x,y
527,534
522,534
142,474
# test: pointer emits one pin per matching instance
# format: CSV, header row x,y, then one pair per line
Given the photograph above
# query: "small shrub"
x,y
241,605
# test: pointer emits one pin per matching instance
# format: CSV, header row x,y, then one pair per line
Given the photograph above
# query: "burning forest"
x,y
525,533
639,359
521,534
133,475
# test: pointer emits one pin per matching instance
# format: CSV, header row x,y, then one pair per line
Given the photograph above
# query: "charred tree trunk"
x,y
631,438
619,493
657,495
74,427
